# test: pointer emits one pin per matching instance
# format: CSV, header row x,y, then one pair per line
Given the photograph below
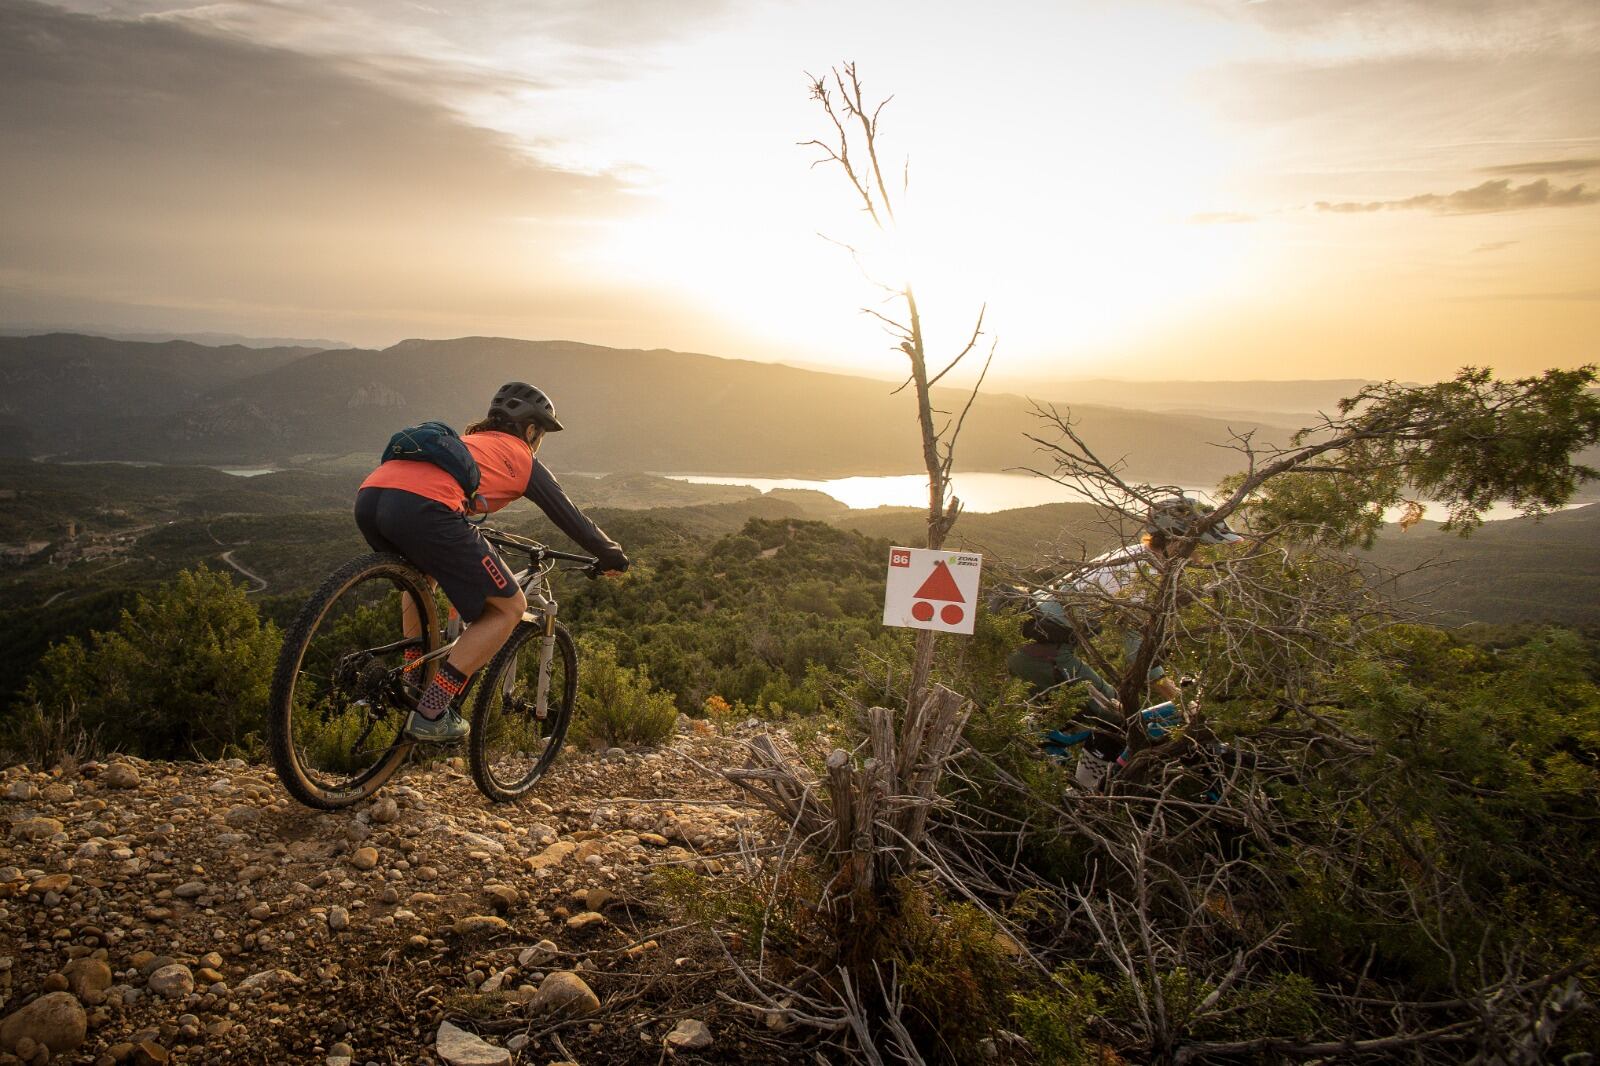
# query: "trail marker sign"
x,y
932,589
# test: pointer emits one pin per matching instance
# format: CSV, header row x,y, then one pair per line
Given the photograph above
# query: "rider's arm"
x,y
544,490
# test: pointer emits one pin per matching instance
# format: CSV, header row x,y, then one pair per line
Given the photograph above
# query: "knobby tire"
x,y
560,710
280,709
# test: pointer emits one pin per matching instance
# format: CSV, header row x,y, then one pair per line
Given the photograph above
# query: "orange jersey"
x,y
505,464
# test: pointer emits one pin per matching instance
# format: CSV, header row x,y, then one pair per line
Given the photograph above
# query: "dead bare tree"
x,y
868,819
854,147
878,810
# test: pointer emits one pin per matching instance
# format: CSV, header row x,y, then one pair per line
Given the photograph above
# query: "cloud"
x,y
149,162
1213,218
1392,17
1495,246
1555,166
1491,196
1434,111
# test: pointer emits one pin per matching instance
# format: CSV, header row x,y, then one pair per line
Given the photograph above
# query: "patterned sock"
x,y
447,685
410,657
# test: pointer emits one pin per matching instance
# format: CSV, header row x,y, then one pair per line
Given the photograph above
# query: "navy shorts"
x,y
439,542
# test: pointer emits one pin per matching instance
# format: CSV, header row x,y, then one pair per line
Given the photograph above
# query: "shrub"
x,y
185,673
618,706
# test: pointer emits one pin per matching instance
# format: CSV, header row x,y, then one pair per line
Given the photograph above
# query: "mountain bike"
x,y
1094,771
344,683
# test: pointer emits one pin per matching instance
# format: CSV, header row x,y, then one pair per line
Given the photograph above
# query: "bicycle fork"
x,y
540,609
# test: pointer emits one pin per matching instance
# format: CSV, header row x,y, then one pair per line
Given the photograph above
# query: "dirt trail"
x,y
195,909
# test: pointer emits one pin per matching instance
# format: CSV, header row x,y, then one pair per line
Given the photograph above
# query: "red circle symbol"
x,y
951,615
922,611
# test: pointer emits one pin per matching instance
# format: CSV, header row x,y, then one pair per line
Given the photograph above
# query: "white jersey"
x,y
1112,573
1108,575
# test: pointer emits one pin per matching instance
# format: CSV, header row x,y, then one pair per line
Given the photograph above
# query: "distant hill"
x,y
1217,398
53,388
1517,570
626,410
1023,538
214,340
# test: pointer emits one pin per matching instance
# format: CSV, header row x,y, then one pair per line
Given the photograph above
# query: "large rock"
x,y
21,791
269,979
35,828
552,856
537,955
240,816
479,925
457,1047
566,992
172,982
55,1020
120,775
88,979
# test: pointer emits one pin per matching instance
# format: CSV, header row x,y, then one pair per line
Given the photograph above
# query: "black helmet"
x,y
521,402
1177,516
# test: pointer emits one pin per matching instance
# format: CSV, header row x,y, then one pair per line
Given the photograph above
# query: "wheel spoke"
x,y
513,745
336,730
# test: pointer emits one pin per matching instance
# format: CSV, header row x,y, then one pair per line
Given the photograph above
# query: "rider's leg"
x,y
481,640
1035,664
484,637
411,622
1071,668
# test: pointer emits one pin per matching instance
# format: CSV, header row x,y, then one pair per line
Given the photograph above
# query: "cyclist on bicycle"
x,y
1062,610
414,508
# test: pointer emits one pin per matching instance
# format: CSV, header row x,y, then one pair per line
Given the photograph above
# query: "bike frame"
x,y
534,580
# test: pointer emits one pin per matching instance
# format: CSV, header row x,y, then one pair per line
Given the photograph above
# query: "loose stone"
x,y
689,1034
457,1047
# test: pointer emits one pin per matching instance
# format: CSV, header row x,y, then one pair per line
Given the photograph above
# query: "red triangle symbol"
x,y
940,586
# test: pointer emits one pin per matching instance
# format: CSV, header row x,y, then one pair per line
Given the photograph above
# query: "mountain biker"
x,y
415,509
1064,611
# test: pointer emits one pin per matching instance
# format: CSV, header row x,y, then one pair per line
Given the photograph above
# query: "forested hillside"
x,y
625,410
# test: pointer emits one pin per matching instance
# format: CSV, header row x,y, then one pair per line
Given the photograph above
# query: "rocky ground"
x,y
190,912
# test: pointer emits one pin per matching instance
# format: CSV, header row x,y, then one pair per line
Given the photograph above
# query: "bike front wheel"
x,y
513,743
340,693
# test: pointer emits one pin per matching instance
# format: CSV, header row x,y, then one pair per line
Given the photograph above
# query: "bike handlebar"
x,y
536,551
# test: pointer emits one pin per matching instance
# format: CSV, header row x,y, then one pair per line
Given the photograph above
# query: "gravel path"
x,y
190,912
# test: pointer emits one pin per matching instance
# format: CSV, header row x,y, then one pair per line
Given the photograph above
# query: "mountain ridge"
x,y
626,409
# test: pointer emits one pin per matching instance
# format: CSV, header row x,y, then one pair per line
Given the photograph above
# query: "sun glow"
x,y
1062,196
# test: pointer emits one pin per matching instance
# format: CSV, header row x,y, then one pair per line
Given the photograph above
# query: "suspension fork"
x,y
541,608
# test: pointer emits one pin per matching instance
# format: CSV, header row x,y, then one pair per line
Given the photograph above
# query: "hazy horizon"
x,y
1164,190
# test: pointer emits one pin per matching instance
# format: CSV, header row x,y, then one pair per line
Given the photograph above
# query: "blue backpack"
x,y
437,443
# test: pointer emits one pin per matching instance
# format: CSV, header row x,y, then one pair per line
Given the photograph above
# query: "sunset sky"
x,y
1163,189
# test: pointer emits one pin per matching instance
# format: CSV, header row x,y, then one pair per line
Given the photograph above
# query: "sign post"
x,y
929,589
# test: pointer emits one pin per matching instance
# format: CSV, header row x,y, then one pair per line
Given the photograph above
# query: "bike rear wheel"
x,y
339,697
512,745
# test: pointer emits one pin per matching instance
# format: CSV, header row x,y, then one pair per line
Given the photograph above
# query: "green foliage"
x,y
1057,1020
618,706
775,912
953,965
770,615
184,673
1468,443
331,745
